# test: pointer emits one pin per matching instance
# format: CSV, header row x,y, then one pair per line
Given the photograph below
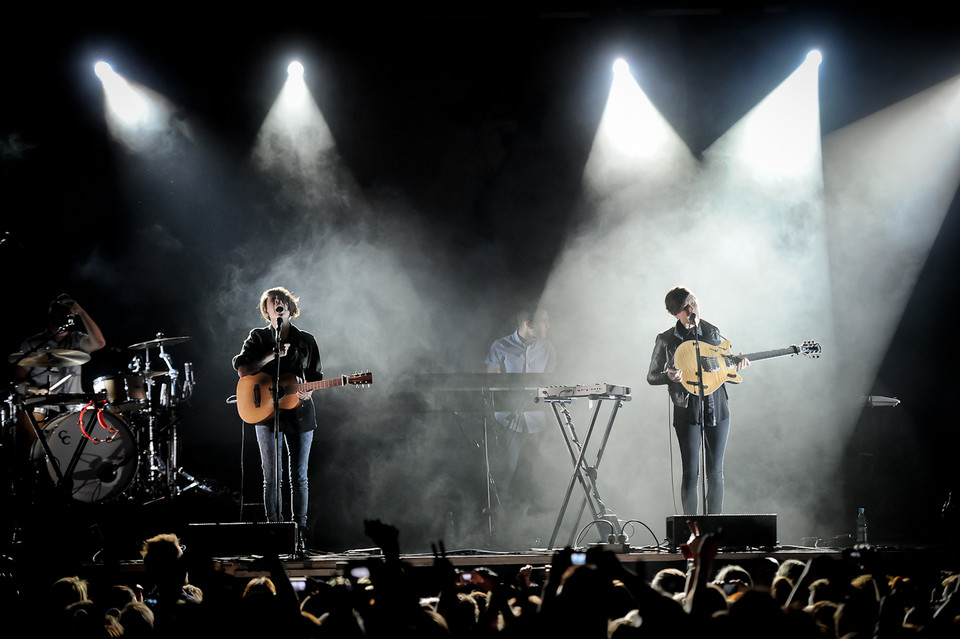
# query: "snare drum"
x,y
125,393
102,470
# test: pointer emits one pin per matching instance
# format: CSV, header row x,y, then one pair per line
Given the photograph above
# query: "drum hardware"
x,y
157,425
120,440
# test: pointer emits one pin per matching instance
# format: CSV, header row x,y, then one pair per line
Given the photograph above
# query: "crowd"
x,y
181,595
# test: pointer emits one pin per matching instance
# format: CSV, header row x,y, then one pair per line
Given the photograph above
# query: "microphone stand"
x,y
702,419
276,422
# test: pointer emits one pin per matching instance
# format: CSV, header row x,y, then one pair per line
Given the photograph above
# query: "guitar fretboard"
x,y
780,352
309,386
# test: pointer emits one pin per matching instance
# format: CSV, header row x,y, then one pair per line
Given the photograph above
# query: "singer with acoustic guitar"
x,y
681,381
299,358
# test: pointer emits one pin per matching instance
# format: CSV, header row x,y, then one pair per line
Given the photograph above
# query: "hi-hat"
x,y
163,341
49,358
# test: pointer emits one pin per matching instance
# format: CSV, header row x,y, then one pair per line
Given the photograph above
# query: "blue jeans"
x,y
298,456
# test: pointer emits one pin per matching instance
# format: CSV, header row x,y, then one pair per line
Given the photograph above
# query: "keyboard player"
x,y
520,428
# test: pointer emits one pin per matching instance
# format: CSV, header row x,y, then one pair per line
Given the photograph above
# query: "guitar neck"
x,y
779,352
311,386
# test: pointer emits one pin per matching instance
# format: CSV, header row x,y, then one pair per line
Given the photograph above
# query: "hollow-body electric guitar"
x,y
255,392
720,366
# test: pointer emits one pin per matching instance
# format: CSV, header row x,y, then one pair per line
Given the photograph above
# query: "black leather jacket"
x,y
687,405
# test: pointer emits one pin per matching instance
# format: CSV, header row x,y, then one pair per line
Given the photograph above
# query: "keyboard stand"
x,y
584,474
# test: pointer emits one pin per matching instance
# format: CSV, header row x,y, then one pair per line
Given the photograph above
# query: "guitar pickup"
x,y
710,364
256,396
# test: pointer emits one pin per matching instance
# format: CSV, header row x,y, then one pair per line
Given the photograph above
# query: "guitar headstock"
x,y
810,349
361,380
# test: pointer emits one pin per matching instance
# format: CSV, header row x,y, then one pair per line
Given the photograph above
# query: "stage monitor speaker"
x,y
241,538
739,531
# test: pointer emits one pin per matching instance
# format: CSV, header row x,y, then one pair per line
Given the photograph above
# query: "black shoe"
x,y
301,542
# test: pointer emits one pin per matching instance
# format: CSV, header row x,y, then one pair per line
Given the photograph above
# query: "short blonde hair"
x,y
259,586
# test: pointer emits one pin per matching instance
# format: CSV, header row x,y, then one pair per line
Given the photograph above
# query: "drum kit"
x,y
119,442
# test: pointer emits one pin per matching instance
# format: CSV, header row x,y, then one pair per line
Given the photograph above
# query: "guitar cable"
x,y
243,466
670,409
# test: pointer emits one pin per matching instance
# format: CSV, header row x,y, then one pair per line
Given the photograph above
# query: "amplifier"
x,y
739,531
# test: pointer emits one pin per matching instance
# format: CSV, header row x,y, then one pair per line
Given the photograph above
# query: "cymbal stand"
x,y
183,394
162,455
584,474
152,468
168,395
152,462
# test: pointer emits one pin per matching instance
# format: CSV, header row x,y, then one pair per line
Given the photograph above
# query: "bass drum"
x,y
103,469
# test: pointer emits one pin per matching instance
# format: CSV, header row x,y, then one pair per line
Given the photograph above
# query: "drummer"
x,y
70,328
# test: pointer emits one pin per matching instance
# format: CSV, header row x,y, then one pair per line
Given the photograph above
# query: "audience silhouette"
x,y
824,598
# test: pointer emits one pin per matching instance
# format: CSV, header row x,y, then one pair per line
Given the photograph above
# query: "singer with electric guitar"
x,y
299,357
683,305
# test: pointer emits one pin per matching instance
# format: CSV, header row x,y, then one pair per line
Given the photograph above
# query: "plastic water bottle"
x,y
861,526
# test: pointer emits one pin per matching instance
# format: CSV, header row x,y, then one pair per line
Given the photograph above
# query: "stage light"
x,y
890,179
135,115
634,145
777,143
103,70
815,57
294,137
124,103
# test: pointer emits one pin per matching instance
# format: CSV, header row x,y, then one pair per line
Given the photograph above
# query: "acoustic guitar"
x,y
720,366
255,392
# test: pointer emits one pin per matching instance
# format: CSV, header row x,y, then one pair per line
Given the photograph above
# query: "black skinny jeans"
x,y
688,436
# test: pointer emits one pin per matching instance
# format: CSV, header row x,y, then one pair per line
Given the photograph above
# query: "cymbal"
x,y
163,341
49,358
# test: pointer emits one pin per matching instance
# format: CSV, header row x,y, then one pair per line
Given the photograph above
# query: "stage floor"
x,y
644,563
